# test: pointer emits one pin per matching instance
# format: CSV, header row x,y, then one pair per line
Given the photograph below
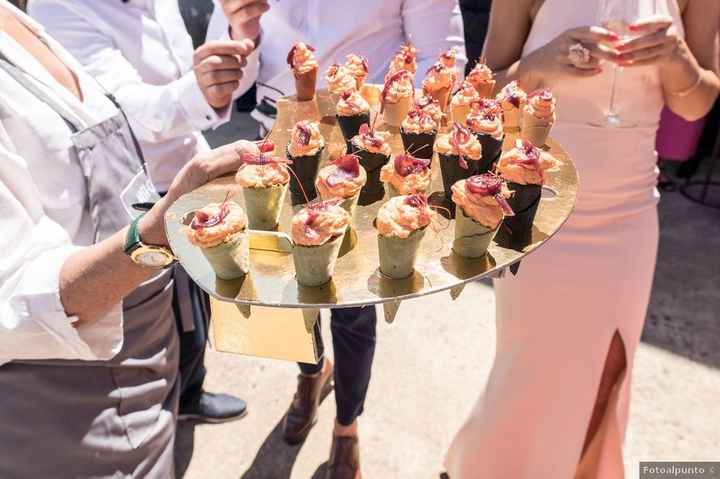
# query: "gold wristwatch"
x,y
148,256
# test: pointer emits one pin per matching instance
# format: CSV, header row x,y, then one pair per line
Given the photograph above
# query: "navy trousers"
x,y
353,337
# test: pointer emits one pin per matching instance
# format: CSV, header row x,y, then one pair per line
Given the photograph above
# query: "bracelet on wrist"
x,y
687,91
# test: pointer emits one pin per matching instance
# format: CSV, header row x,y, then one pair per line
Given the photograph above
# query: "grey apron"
x,y
99,419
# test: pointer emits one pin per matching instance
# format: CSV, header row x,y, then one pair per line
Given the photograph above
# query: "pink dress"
x,y
556,319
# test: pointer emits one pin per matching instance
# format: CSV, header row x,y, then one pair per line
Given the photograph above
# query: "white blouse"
x,y
44,216
141,52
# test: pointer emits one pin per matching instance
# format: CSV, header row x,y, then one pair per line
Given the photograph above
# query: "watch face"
x,y
153,259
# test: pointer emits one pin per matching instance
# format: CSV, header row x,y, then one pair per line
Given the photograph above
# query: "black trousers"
x,y
192,343
353,337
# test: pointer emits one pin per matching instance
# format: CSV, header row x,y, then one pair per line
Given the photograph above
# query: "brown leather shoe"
x,y
344,460
302,415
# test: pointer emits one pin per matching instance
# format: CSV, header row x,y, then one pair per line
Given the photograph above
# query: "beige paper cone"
x,y
395,113
471,238
442,96
398,255
393,192
484,88
534,129
512,118
315,265
459,113
230,259
305,85
350,204
263,206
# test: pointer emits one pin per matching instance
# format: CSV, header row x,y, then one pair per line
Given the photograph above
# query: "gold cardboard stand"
x,y
278,333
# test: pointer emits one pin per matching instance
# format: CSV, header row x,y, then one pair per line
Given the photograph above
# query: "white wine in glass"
x,y
617,16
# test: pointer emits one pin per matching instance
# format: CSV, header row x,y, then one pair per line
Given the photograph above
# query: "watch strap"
x,y
132,238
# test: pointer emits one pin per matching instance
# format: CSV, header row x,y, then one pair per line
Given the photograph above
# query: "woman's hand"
x,y
656,43
203,168
556,60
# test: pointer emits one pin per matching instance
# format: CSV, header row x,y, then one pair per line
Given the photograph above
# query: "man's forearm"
x,y
98,277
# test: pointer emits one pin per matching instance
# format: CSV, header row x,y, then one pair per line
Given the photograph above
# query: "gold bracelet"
x,y
689,90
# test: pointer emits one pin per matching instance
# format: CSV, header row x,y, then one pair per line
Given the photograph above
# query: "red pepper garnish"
x,y
291,54
488,184
346,95
418,200
368,136
314,209
459,136
202,220
304,134
333,70
407,165
348,167
395,77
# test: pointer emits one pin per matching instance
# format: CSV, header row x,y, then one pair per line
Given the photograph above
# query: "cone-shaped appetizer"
x,y
304,150
524,169
485,122
304,67
264,178
512,99
339,80
343,179
317,231
404,59
374,151
357,66
220,231
481,204
461,102
538,117
352,112
401,224
406,175
459,153
449,58
481,77
396,97
431,106
418,132
439,82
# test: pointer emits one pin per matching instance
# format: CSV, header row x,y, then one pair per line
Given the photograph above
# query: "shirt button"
x,y
207,117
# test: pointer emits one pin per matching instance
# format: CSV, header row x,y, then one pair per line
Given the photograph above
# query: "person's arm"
x,y
200,99
690,79
247,14
509,27
433,27
61,301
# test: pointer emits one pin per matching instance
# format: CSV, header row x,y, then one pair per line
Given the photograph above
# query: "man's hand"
x,y
218,68
244,17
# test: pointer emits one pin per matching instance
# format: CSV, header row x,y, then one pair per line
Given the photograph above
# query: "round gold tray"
x,y
357,280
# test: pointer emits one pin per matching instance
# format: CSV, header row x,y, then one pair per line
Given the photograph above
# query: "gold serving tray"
x,y
357,280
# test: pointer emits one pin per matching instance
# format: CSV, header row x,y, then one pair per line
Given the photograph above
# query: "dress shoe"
x,y
344,460
302,415
214,408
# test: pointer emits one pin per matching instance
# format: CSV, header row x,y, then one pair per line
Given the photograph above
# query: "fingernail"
x,y
613,36
634,27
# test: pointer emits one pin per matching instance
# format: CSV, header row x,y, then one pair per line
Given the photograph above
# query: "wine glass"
x,y
617,16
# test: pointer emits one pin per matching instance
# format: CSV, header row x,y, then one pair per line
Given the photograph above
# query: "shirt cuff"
x,y
201,115
36,305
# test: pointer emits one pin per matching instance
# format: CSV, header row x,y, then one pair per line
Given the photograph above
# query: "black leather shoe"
x,y
214,408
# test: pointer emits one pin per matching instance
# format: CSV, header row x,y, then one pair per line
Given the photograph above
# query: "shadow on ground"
x,y
274,458
683,316
184,445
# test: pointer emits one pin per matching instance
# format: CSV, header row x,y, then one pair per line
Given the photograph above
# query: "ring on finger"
x,y
578,55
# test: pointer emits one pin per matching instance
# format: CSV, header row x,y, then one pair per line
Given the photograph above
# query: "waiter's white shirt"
x,y
141,52
44,216
372,28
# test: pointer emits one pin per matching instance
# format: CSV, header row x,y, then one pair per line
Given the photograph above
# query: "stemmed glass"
x,y
617,16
